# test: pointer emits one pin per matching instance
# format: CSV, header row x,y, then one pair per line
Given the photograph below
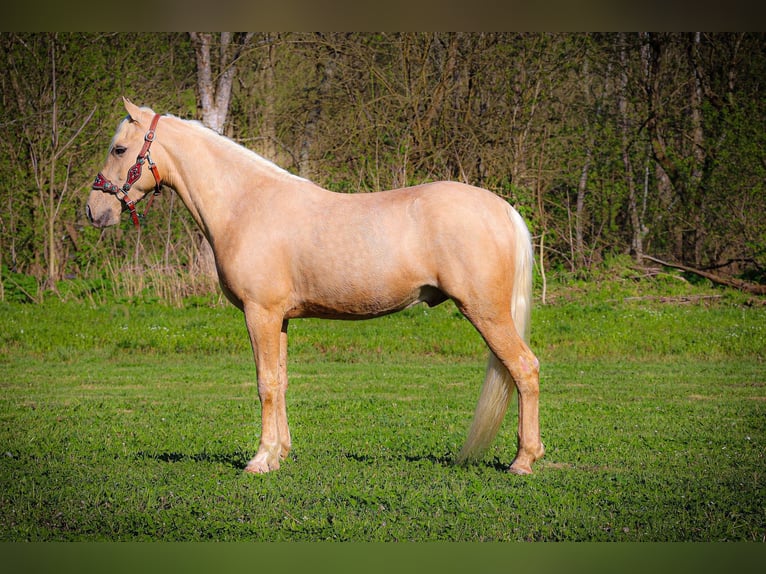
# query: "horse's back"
x,y
394,247
430,217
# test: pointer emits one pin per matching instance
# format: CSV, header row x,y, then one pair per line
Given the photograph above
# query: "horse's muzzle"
x,y
102,220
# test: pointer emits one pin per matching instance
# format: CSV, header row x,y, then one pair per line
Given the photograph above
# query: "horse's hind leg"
x,y
516,356
530,447
285,442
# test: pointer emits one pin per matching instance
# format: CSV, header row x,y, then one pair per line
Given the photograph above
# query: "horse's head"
x,y
123,182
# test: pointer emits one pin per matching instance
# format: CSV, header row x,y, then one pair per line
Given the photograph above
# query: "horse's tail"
x,y
497,391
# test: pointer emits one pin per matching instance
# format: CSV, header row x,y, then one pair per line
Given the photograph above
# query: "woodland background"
x,y
608,144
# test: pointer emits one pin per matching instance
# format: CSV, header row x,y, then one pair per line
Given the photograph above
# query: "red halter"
x,y
134,173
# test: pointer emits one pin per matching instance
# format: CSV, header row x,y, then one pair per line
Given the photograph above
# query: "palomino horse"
x,y
286,248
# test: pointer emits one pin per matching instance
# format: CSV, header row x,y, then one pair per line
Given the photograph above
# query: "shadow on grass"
x,y
445,460
234,460
240,460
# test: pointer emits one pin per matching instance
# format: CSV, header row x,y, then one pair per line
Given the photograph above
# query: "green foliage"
x,y
520,114
19,288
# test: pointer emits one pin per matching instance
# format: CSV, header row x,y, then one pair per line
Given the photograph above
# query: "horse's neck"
x,y
211,173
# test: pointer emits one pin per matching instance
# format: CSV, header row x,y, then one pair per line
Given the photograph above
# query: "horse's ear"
x,y
134,112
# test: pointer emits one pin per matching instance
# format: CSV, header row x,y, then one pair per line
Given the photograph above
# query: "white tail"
x,y
497,390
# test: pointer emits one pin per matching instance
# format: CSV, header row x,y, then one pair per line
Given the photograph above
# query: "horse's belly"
x,y
365,304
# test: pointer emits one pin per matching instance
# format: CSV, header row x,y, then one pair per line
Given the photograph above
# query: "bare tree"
x,y
214,84
634,214
46,146
326,70
689,155
215,80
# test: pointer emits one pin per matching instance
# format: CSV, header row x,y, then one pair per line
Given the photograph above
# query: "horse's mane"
x,y
232,147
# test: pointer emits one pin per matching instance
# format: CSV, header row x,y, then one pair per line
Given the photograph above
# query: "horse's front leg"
x,y
285,442
265,336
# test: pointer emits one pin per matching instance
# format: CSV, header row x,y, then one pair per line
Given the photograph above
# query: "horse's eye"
x,y
119,150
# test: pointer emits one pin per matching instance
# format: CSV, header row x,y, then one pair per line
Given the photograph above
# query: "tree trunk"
x,y
586,80
751,288
582,187
541,213
326,75
637,239
698,153
214,85
269,112
52,252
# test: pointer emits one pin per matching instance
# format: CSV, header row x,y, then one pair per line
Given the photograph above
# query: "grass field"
x,y
133,421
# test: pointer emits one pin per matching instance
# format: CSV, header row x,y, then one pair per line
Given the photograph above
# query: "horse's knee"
x,y
269,389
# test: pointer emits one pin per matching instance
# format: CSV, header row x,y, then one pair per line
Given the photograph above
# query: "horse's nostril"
x,y
88,213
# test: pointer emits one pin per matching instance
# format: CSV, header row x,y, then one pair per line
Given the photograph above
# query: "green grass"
x,y
133,422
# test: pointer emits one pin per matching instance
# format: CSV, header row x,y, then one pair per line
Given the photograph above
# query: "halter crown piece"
x,y
134,173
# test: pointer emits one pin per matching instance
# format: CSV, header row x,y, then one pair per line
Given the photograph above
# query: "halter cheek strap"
x,y
134,174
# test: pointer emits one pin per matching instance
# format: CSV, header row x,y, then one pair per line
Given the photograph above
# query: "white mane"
x,y
233,147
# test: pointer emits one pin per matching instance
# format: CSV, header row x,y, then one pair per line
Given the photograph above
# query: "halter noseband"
x,y
134,173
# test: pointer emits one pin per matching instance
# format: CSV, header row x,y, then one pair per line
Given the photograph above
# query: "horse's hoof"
x,y
520,469
261,467
522,464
